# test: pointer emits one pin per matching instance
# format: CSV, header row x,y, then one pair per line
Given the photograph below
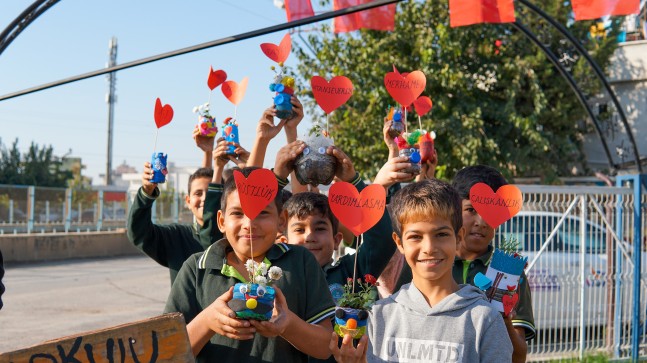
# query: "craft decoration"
x,y
233,91
496,208
230,134
256,191
255,299
408,144
314,165
406,87
163,115
283,85
501,280
351,314
422,105
357,211
426,143
397,125
216,78
206,122
331,94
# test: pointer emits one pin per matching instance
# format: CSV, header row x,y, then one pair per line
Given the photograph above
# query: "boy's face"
x,y
195,199
241,232
315,233
429,247
478,234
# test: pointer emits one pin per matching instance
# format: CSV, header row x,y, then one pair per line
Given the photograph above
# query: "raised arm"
x,y
266,130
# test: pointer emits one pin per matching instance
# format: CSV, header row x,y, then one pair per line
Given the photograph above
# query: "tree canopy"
x,y
497,100
38,166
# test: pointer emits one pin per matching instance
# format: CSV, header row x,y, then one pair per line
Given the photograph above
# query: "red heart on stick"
x,y
357,211
216,78
278,53
331,95
422,105
509,302
256,191
163,114
496,208
405,88
233,91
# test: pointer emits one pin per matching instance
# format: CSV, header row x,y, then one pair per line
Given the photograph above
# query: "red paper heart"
x,y
496,208
331,95
405,88
256,191
216,78
422,105
278,53
163,114
509,302
357,211
233,91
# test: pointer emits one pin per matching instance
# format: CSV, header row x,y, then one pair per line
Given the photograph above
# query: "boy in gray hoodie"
x,y
433,318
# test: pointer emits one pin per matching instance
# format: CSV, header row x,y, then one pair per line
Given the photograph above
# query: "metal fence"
x,y
29,209
580,244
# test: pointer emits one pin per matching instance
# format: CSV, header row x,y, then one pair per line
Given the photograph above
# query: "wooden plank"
x,y
156,340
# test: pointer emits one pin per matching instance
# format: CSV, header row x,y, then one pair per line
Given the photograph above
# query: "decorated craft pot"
x,y
208,126
283,106
230,134
350,321
158,161
414,158
426,150
396,129
314,166
252,301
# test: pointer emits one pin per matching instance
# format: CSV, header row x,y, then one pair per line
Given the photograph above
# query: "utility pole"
x,y
111,99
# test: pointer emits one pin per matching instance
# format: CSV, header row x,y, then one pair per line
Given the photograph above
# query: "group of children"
x,y
429,224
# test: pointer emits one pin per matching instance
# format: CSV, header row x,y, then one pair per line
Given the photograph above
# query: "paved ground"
x,y
51,300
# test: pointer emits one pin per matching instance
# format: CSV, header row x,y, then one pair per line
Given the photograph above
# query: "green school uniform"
x,y
169,245
464,271
205,276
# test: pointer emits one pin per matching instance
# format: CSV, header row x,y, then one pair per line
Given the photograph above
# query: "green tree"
x,y
503,106
38,166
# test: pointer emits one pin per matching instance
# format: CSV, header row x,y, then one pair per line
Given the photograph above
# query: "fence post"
x,y
68,209
100,211
80,213
583,217
31,191
47,211
617,323
10,211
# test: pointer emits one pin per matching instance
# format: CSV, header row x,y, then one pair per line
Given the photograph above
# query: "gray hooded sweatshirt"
x,y
463,327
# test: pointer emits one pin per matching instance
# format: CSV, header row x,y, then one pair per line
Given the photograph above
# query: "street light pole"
x,y
110,99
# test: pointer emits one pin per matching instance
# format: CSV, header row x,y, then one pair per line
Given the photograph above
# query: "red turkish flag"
x,y
298,9
468,12
380,18
594,9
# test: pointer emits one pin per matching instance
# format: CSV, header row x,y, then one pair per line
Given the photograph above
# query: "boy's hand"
x,y
391,174
222,319
266,130
388,140
345,169
242,156
147,175
280,318
205,143
220,156
428,169
284,163
297,108
347,353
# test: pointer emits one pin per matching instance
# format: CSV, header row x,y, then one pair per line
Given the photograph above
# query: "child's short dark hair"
x,y
424,199
200,173
468,176
302,205
230,186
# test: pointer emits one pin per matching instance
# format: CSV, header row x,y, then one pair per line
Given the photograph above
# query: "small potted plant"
x,y
255,299
352,310
206,122
314,166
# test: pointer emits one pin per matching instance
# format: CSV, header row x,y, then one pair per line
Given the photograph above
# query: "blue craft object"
x,y
158,162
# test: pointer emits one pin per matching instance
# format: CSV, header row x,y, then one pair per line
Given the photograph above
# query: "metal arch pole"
x,y
571,82
214,43
597,70
23,20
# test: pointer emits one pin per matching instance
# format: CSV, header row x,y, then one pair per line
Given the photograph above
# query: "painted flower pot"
x,y
208,126
252,301
158,161
414,158
314,166
350,321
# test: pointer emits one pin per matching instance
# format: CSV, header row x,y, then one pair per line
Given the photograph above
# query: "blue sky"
x,y
72,38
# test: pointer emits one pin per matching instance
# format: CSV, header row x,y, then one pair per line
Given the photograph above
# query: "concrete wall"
x,y
59,246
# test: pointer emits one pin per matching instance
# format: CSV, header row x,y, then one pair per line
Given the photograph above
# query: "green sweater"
x,y
170,245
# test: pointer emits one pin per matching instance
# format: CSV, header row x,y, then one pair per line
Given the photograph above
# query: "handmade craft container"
x,y
158,161
252,301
